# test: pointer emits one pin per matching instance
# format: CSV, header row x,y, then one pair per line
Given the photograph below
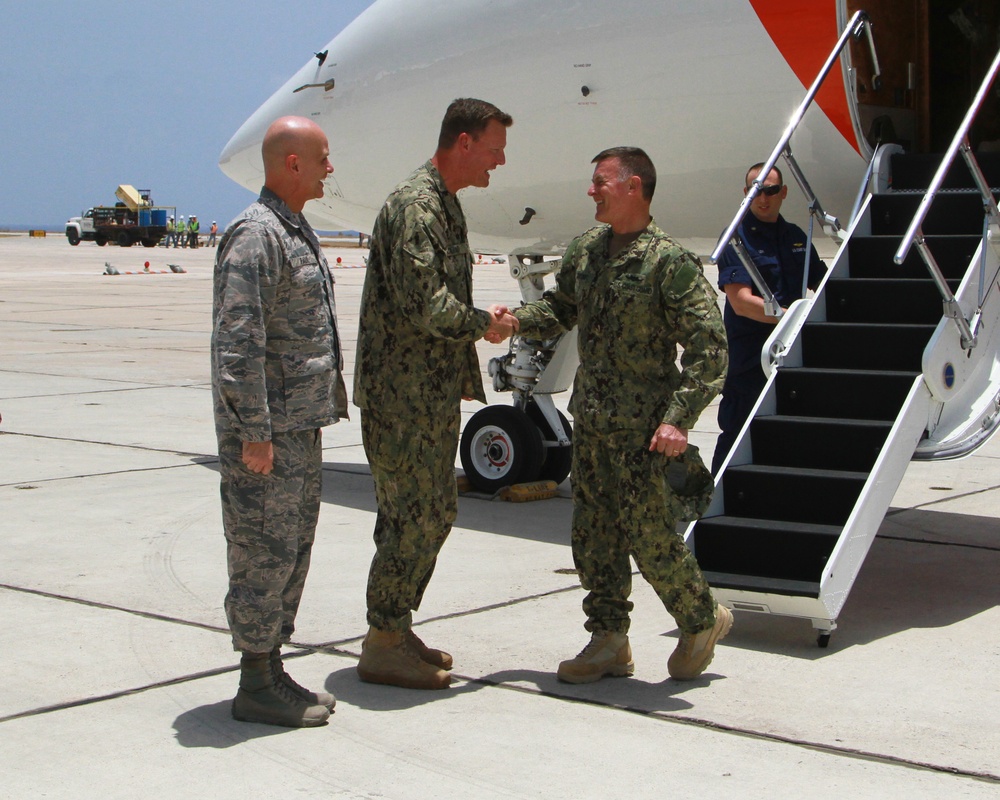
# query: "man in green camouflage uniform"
x,y
416,361
635,295
276,380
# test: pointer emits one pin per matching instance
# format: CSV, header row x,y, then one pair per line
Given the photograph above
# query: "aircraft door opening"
x,y
889,110
933,55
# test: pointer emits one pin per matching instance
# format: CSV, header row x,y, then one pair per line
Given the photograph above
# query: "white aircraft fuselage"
x,y
705,88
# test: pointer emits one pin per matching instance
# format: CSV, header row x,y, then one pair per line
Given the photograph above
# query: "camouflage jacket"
x,y
416,341
633,310
276,360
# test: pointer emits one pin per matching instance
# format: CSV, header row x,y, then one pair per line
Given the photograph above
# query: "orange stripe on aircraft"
x,y
805,33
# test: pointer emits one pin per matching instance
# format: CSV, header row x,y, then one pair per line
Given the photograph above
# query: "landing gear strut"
x,y
531,440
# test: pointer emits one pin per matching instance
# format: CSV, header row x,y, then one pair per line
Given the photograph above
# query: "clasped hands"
x,y
503,324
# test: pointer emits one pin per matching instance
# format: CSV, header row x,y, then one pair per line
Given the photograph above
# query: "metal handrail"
x,y
915,235
859,23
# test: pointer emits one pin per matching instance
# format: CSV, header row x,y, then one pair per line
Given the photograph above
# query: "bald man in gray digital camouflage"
x,y
276,381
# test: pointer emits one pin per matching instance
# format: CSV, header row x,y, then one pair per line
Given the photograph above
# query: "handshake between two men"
x,y
502,326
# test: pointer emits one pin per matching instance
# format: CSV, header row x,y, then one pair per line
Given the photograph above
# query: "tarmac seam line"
x,y
848,752
333,648
136,385
35,712
113,472
961,496
334,645
139,387
109,607
913,540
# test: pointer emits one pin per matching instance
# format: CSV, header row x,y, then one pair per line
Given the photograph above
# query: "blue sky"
x,y
103,93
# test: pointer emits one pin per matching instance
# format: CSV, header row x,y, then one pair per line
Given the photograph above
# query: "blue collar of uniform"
x,y
750,222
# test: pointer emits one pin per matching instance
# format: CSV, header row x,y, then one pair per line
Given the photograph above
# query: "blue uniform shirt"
x,y
778,249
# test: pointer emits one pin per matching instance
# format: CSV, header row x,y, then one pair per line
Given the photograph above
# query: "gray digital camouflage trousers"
x,y
270,524
413,465
623,506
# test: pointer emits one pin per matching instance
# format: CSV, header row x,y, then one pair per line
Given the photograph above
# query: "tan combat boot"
x,y
263,699
695,650
608,653
388,657
439,658
313,698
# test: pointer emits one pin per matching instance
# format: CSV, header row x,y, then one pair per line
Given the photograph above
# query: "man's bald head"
x,y
295,153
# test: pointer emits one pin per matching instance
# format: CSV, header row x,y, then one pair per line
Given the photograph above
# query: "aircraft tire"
x,y
501,447
558,460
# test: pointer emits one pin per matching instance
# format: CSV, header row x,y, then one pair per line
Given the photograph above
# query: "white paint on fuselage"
x,y
700,86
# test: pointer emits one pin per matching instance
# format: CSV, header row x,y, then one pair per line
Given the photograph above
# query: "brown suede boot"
x,y
388,657
263,699
439,658
608,653
313,698
695,651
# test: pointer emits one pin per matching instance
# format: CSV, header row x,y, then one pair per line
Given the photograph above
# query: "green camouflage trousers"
x,y
413,465
623,506
270,524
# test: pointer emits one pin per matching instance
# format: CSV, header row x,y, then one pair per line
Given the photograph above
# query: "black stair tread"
x,y
930,238
846,371
872,256
900,325
848,421
756,523
806,472
871,328
952,190
754,583
892,213
857,371
900,281
916,170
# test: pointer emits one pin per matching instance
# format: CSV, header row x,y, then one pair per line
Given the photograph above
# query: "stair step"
x,y
817,442
871,256
892,213
842,393
884,300
792,494
773,549
917,170
752,583
847,345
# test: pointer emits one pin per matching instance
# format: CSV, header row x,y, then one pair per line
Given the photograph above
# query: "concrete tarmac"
x,y
119,669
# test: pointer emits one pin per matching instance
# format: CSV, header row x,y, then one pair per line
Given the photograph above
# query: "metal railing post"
x,y
914,233
858,24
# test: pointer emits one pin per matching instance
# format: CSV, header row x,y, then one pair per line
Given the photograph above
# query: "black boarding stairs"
x,y
872,376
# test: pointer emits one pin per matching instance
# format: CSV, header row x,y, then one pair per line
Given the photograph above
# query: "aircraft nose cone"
x,y
240,158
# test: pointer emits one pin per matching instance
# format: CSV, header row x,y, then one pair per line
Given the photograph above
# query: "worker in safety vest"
x,y
193,228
